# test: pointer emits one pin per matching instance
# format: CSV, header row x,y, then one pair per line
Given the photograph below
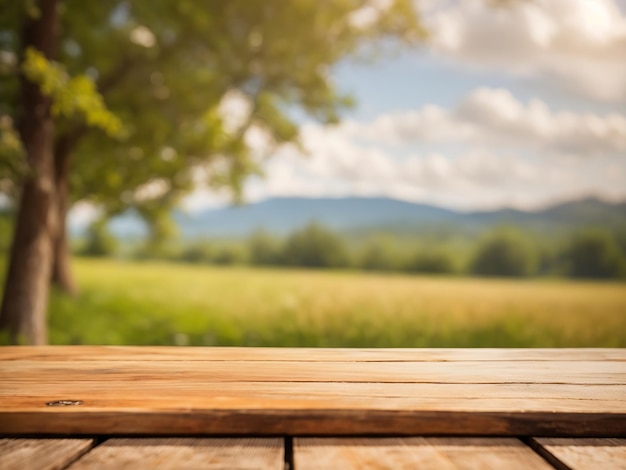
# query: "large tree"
x,y
164,68
31,252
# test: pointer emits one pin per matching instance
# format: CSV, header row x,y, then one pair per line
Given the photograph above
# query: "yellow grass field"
x,y
160,303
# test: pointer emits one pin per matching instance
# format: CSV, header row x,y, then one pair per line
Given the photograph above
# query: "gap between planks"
x,y
41,454
582,453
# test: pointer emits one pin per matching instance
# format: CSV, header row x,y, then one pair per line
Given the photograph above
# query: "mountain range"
x,y
365,214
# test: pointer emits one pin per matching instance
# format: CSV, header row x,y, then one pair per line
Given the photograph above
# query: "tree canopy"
x,y
153,76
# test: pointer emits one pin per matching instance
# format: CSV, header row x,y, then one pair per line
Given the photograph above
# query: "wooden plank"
x,y
150,396
42,454
232,354
527,372
173,396
411,453
138,453
583,454
148,393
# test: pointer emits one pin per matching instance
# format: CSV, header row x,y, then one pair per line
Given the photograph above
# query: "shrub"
x,y
504,252
197,253
432,262
594,254
315,246
263,248
378,254
230,254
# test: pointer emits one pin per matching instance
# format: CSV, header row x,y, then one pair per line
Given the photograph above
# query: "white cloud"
x,y
471,180
578,44
489,150
488,117
204,198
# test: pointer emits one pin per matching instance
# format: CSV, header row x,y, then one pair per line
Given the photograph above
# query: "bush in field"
x,y
263,248
378,254
315,246
230,254
197,253
504,252
549,258
99,241
436,261
148,250
595,254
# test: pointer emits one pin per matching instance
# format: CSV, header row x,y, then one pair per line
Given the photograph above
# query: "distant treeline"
x,y
503,251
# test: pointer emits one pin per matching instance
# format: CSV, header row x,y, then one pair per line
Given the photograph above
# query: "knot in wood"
x,y
64,403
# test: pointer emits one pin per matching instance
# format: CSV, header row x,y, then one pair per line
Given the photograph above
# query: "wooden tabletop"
x,y
159,407
217,391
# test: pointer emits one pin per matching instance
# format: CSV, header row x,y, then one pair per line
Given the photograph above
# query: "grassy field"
x,y
152,303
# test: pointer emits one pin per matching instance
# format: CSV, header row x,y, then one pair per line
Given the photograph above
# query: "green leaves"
x,y
12,163
162,101
72,96
10,143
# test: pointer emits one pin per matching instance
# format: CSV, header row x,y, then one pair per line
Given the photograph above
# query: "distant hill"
x,y
583,211
283,215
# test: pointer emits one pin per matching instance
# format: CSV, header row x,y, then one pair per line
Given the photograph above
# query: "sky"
x,y
520,107
501,107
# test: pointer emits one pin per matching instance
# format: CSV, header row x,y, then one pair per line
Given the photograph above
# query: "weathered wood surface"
x,y
313,453
209,391
413,453
177,453
583,454
41,454
167,353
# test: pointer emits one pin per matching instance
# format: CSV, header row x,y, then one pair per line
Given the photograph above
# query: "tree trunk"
x,y
62,276
24,305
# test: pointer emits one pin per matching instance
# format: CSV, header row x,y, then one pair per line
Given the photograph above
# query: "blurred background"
x,y
382,173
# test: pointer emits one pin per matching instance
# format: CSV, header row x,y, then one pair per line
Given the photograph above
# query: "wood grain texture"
x,y
412,453
157,391
177,453
133,394
583,454
470,372
41,454
232,354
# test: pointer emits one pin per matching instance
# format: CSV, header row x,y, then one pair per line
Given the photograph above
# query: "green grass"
x,y
158,303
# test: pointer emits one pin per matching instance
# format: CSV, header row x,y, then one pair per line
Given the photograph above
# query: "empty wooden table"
x,y
160,407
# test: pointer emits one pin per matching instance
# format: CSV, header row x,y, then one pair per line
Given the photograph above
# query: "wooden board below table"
x,y
312,453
